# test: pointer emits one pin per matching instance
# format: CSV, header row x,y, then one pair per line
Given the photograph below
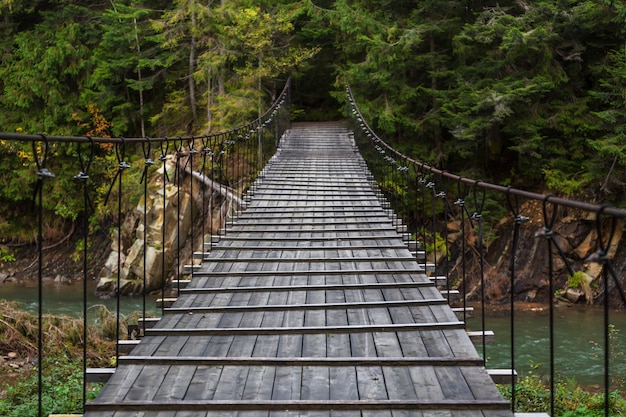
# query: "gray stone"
x,y
574,295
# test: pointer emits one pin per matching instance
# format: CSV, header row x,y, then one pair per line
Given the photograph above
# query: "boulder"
x,y
574,295
173,224
153,268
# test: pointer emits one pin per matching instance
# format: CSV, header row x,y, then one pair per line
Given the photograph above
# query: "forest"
x,y
528,94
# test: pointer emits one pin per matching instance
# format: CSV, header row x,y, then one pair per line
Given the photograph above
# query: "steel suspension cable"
x,y
462,194
601,257
83,177
177,180
191,153
205,154
42,174
165,180
477,216
514,207
146,147
547,233
446,210
120,152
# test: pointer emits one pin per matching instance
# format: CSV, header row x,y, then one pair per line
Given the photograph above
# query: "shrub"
x,y
532,395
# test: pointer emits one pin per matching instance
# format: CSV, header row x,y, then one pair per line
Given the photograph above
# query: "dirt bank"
x,y
62,262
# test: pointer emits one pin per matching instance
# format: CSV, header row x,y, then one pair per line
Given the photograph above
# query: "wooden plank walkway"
x,y
309,305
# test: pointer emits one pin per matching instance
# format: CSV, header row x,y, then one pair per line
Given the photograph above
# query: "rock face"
x,y
576,236
154,244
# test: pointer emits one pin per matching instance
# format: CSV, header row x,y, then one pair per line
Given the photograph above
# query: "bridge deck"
x,y
309,305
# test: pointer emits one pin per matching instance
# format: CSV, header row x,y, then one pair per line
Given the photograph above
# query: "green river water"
x,y
575,330
62,299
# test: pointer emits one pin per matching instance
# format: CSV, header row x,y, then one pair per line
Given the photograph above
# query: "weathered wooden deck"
x,y
310,304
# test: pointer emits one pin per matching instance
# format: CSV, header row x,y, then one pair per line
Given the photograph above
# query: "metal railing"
x,y
428,199
225,164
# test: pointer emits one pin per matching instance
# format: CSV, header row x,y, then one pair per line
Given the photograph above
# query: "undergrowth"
x,y
532,395
62,390
62,364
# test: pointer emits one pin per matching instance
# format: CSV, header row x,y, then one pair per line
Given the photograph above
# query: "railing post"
x,y
83,177
42,174
519,220
547,233
165,179
462,189
477,216
148,162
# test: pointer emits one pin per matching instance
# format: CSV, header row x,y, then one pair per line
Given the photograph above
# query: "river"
x,y
575,330
67,300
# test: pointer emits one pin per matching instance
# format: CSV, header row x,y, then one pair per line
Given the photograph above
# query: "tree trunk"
x,y
434,103
139,77
209,100
192,70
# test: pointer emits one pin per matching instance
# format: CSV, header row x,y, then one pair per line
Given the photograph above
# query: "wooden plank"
x,y
408,327
502,376
325,259
299,361
203,383
289,307
307,287
119,385
268,237
248,273
99,374
299,405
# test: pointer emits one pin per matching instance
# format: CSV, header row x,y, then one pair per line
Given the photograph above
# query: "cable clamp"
x,y
545,233
44,173
519,219
81,176
600,257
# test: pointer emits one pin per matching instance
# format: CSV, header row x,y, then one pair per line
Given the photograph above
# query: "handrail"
x,y
241,147
412,184
478,183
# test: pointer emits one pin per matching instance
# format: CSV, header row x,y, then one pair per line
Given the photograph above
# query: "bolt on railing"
x,y
226,163
429,198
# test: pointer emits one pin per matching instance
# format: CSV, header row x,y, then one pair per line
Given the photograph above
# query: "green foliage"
x,y
126,78
576,280
435,243
62,364
44,73
500,92
532,395
530,94
6,255
62,391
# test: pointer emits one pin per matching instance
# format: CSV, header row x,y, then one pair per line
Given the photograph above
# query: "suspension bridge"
x,y
317,299
311,302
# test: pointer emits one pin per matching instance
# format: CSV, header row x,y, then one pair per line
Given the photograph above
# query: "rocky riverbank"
x,y
577,279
